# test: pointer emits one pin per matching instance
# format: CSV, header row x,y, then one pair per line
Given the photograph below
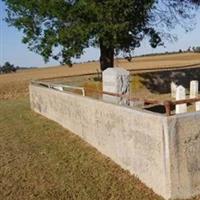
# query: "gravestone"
x,y
173,89
116,80
181,95
197,106
194,89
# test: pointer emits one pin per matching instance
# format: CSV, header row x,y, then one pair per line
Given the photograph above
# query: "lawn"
x,y
41,160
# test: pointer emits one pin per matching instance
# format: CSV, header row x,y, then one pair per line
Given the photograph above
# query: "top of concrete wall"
x,y
131,109
116,70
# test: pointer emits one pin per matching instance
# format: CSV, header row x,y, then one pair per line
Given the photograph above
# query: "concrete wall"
x,y
184,145
163,152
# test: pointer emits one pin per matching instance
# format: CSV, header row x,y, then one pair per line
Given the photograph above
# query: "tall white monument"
x,y
116,80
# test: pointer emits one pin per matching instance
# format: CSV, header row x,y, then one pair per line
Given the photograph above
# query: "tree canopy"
x,y
196,49
7,68
62,29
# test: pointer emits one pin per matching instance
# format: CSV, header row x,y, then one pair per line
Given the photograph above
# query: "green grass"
x,y
41,160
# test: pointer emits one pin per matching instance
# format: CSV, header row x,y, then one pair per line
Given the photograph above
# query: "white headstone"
x,y
116,80
194,89
197,105
180,95
173,89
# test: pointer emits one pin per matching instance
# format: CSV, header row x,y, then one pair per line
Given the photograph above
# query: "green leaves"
x,y
72,25
62,29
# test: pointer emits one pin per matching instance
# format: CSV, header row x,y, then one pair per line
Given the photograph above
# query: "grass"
x,y
41,160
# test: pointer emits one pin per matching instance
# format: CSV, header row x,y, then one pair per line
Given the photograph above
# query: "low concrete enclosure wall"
x,y
163,152
184,146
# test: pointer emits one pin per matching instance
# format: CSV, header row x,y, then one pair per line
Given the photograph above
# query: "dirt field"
x,y
41,160
16,85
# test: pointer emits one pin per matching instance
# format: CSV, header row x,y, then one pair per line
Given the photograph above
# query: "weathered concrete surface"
x,y
162,151
132,138
184,145
116,80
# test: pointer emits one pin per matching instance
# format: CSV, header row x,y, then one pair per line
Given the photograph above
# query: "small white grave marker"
x,y
173,89
180,95
116,80
194,89
197,105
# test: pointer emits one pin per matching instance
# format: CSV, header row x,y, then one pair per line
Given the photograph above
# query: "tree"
x,y
8,68
62,29
196,49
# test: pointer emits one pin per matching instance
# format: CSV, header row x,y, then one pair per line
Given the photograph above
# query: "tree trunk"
x,y
106,57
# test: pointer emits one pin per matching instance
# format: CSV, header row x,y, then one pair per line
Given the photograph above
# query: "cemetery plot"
x,y
151,91
145,143
13,86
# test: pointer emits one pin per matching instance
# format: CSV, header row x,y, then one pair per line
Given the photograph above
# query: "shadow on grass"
x,y
159,82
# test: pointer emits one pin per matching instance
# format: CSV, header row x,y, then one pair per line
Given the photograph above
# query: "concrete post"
x,y
194,89
180,95
173,90
116,80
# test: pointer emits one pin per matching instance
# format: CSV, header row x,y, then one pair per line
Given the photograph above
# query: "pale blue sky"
x,y
14,51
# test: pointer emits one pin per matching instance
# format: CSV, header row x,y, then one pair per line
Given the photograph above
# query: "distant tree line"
x,y
196,49
190,49
8,68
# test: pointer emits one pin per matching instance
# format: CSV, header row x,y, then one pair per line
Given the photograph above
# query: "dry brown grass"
x,y
164,61
16,85
40,160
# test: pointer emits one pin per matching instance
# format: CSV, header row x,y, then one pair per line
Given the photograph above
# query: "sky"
x,y
17,53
